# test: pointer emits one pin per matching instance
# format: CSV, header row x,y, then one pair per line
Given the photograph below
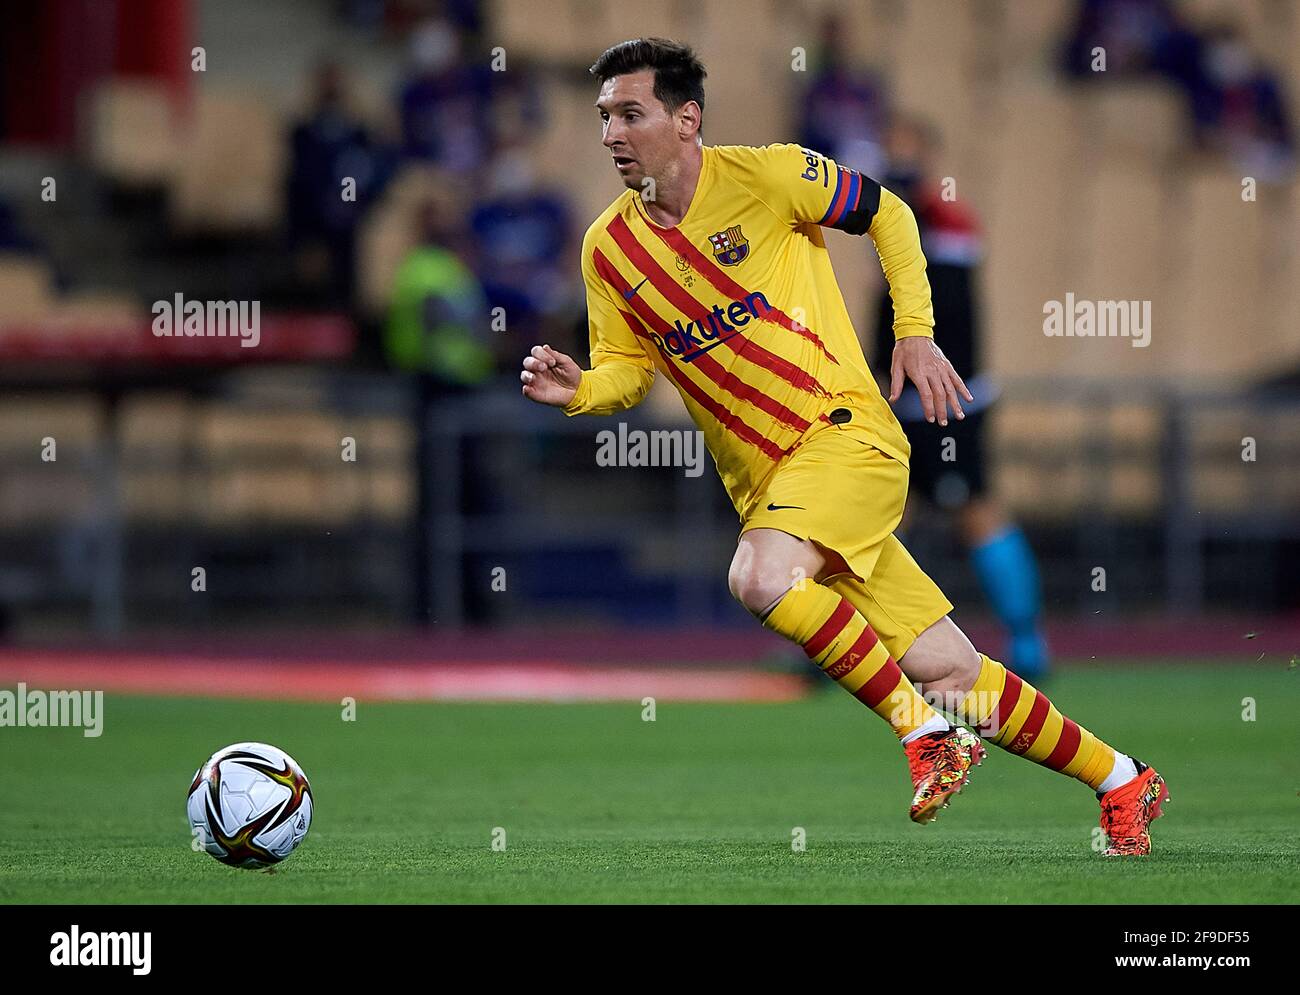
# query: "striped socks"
x,y
838,639
1019,718
1001,706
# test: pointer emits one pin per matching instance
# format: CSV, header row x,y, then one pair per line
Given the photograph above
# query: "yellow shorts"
x,y
842,493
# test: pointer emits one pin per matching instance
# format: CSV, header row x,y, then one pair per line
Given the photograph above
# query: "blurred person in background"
x,y
1250,118
438,314
844,107
445,105
438,330
1235,105
328,147
521,230
951,476
1133,33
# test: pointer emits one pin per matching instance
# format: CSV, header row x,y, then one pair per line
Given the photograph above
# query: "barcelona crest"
x,y
730,246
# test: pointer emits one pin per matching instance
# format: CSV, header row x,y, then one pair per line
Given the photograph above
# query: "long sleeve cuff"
x,y
581,397
910,330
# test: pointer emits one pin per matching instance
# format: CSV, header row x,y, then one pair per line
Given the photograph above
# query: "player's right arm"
x,y
621,372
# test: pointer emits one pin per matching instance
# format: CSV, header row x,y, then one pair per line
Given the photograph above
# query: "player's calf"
x,y
943,661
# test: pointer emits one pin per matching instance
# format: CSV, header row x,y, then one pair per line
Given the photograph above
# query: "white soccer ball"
x,y
250,805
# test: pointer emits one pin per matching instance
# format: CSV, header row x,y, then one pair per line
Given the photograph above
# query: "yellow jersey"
x,y
739,307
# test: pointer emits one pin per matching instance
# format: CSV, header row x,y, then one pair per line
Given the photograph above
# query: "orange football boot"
x,y
1128,811
940,764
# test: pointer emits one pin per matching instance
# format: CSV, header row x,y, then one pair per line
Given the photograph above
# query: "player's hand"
x,y
549,376
936,381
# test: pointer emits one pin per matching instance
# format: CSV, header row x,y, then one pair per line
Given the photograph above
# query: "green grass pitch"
x,y
697,806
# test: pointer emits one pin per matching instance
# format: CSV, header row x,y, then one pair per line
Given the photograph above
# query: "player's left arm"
x,y
916,355
805,186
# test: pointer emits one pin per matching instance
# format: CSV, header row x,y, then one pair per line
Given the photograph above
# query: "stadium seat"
x,y
1033,197
1221,287
546,29
132,132
230,166
932,60
1142,122
1044,486
26,293
1121,255
97,314
1030,32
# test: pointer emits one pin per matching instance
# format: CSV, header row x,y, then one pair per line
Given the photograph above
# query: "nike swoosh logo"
x,y
629,294
692,357
783,507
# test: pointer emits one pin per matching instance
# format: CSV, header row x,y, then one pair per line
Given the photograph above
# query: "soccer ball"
x,y
249,806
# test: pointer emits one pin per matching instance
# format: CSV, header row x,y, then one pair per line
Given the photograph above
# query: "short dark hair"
x,y
679,74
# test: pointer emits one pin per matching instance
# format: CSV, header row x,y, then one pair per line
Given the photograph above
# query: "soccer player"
x,y
711,268
947,462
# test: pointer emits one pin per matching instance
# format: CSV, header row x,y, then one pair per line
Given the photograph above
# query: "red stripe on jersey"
x,y
731,383
729,420
706,364
712,272
830,629
639,256
1066,747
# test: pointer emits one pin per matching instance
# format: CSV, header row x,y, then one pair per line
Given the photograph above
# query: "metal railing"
x,y
516,485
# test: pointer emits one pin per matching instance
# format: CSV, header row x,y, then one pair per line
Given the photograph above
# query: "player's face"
x,y
638,130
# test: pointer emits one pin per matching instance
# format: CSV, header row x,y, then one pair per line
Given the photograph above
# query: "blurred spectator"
x,y
446,105
843,110
521,230
1250,116
1235,105
438,330
1131,32
438,318
327,148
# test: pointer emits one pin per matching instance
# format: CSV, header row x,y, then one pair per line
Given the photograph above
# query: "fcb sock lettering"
x,y
1016,716
838,639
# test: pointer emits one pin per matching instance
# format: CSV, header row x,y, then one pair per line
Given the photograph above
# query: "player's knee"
x,y
757,586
